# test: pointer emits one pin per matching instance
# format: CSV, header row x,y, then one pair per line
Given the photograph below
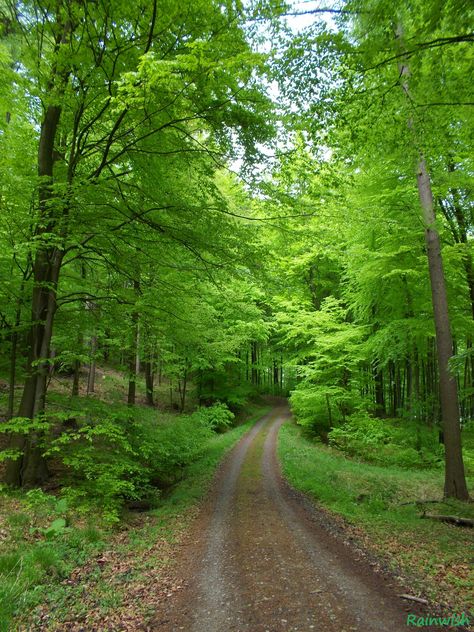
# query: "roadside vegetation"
x,y
380,505
125,483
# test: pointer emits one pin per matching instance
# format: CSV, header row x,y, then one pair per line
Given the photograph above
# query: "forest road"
x,y
259,558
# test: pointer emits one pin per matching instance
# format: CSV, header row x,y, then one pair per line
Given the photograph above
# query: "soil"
x,y
262,558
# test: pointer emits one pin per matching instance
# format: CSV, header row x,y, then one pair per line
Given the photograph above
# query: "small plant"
x,y
57,527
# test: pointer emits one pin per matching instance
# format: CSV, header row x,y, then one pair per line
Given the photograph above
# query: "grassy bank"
x,y
436,557
60,567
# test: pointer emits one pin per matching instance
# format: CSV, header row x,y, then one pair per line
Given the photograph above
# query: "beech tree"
x,y
354,96
116,88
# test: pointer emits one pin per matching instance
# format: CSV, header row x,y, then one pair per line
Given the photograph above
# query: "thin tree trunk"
x,y
133,362
254,363
149,380
13,360
92,365
182,389
379,391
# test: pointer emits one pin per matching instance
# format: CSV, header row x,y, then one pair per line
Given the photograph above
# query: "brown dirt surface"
x,y
262,558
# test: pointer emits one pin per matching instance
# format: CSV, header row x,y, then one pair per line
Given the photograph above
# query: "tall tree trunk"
x,y
379,391
281,373
13,360
254,363
133,353
455,479
30,468
275,376
182,390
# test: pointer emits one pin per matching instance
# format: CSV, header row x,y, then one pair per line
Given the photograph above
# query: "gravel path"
x,y
261,559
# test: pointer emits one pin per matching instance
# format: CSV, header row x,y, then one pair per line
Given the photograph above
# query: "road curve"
x,y
259,559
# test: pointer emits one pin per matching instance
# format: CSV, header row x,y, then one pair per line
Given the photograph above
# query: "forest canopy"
x,y
205,201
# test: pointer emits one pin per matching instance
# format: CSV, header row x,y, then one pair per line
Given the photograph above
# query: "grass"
x,y
437,557
32,563
45,581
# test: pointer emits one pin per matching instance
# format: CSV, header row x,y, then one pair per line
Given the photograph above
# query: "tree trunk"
x,y
13,359
132,387
133,363
182,390
379,391
92,366
455,480
149,379
30,468
254,363
77,367
276,378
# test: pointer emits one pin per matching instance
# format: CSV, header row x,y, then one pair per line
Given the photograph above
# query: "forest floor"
x,y
261,557
255,555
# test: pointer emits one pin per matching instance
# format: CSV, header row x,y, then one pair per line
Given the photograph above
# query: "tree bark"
x,y
133,353
30,468
182,390
253,364
13,360
149,379
379,390
92,365
455,479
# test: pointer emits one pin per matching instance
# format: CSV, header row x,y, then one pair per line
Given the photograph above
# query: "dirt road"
x,y
260,558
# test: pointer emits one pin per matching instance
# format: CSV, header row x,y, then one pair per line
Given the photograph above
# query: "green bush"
x,y
164,450
388,441
126,456
117,454
217,417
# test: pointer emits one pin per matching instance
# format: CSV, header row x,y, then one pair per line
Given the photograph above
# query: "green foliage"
x,y
388,441
216,417
56,528
124,456
29,560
